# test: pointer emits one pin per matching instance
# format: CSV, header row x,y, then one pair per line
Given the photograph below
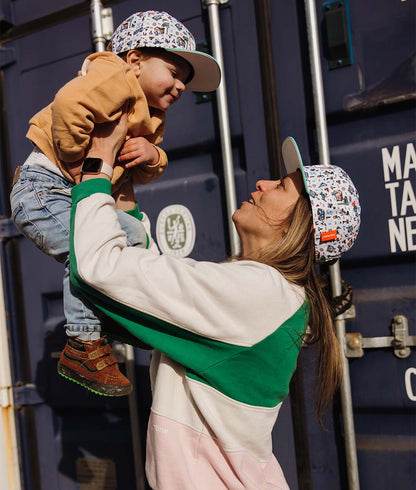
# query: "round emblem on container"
x,y
175,231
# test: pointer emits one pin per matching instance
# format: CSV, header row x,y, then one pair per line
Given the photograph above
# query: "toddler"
x,y
151,60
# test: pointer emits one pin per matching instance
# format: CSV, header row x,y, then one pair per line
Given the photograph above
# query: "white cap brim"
x,y
292,159
207,73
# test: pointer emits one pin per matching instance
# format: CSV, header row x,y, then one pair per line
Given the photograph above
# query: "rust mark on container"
x,y
7,415
385,443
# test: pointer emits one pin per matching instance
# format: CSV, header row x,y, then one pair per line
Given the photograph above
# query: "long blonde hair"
x,y
293,256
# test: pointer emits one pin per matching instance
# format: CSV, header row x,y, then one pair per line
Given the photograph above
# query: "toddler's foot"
x,y
92,365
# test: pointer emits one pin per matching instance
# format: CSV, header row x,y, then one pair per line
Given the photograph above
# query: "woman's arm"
x,y
179,306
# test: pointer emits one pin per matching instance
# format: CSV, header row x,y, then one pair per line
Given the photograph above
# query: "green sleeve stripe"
x,y
92,186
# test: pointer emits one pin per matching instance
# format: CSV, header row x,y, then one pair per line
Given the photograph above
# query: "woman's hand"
x,y
137,151
107,138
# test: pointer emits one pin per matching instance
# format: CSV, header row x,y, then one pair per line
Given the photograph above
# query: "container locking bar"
x,y
224,121
335,269
401,341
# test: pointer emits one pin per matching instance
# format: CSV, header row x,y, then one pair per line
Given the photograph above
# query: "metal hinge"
x,y
8,229
7,55
27,395
6,396
400,342
349,314
105,29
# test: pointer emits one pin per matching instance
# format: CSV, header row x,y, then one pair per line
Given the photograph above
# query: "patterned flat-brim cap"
x,y
153,29
334,200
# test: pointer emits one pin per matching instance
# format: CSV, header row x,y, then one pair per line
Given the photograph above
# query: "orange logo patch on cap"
x,y
327,236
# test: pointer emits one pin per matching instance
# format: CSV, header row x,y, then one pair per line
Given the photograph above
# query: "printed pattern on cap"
x,y
151,29
335,209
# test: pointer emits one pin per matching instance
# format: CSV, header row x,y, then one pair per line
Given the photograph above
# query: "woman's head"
x,y
333,211
266,218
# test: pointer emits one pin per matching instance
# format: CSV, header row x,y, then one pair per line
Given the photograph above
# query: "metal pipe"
x,y
335,274
346,398
317,85
99,36
231,201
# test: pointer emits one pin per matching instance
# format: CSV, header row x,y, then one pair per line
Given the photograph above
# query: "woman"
x,y
226,336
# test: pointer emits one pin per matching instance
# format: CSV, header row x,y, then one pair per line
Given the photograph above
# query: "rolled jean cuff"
x,y
85,333
83,328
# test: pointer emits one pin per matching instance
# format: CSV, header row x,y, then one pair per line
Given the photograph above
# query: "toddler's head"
x,y
162,53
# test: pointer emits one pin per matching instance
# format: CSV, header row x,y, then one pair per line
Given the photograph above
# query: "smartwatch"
x,y
95,166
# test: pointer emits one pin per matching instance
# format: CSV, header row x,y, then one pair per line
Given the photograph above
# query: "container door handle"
x,y
408,383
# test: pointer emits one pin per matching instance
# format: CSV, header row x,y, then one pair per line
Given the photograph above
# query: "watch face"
x,y
92,165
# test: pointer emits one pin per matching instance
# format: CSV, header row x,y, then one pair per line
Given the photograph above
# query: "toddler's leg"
x,y
41,204
82,320
129,215
111,381
41,208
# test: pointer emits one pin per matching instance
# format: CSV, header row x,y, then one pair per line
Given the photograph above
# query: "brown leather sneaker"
x,y
92,365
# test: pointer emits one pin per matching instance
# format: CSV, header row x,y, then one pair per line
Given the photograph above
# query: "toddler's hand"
x,y
138,150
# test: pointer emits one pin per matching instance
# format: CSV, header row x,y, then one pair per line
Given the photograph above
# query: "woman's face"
x,y
258,219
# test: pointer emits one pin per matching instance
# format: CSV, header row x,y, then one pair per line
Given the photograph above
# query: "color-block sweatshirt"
x,y
226,339
62,129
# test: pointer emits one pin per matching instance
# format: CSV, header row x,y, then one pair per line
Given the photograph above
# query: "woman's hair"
x,y
293,256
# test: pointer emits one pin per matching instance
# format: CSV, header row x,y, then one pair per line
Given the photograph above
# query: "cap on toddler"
x,y
334,200
153,29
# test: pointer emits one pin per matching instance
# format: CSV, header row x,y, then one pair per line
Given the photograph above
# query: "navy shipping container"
x,y
55,435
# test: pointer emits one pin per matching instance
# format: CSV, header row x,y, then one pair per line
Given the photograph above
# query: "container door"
x,y
68,437
368,60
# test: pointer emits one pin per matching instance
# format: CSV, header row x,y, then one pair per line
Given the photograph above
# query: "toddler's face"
x,y
162,78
